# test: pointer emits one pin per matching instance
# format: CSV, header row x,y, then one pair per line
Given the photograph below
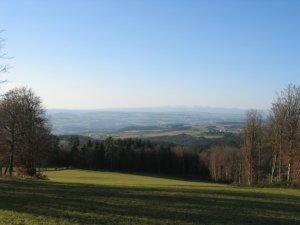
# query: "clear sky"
x,y
102,54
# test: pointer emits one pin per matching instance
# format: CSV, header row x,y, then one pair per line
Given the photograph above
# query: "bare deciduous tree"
x,y
225,164
23,125
252,147
3,55
10,111
291,100
276,135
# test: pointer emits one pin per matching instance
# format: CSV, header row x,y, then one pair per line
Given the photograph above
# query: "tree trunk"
x,y
288,177
12,151
279,164
273,168
11,164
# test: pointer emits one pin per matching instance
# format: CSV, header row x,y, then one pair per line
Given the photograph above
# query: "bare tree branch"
x,y
3,56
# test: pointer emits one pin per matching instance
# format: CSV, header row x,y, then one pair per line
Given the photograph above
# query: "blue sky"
x,y
104,54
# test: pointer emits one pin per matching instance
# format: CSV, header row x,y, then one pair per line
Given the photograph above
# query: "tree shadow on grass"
x,y
95,204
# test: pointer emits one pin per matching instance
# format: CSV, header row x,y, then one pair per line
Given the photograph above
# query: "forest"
x,y
270,146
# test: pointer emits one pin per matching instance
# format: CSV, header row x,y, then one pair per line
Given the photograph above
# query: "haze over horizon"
x,y
137,54
177,108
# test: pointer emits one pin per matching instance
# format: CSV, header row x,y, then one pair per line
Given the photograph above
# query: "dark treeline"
x,y
130,155
200,144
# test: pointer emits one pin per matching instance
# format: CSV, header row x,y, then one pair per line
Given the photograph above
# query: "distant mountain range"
x,y
65,121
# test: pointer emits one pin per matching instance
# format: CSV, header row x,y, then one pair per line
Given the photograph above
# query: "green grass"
x,y
85,197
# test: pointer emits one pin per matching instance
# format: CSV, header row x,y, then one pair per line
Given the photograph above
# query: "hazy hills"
x,y
84,121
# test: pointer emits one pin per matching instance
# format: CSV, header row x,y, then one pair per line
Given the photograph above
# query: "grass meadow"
x,y
88,197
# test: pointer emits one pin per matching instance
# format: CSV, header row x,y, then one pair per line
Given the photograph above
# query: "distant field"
x,y
150,134
140,132
86,197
